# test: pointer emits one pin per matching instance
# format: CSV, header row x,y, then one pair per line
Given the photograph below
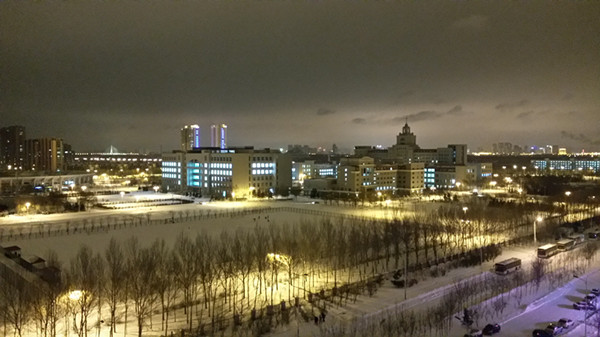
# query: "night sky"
x,y
131,74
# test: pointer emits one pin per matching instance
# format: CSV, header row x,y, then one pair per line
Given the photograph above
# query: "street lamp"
x,y
27,205
567,195
155,188
538,219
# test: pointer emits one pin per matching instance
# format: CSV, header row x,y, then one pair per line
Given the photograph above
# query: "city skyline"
x,y
303,73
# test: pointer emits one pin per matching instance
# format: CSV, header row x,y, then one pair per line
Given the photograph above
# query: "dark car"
x,y
491,329
595,291
590,298
553,329
540,333
583,306
565,323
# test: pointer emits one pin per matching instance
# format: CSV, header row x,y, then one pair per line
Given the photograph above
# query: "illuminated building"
x,y
44,154
232,172
12,147
218,136
567,164
190,137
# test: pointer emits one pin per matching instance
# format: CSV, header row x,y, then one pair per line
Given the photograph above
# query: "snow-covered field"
x,y
518,319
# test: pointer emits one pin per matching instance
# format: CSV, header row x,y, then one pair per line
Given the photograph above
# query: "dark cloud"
x,y
416,117
456,111
323,112
359,121
525,115
581,138
510,106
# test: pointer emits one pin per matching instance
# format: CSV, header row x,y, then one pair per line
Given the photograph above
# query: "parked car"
x,y
590,298
474,333
540,333
583,305
491,329
554,329
595,291
565,323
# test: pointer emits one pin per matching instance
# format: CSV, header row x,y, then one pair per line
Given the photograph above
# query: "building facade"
x,y
218,136
190,137
225,173
44,154
12,147
567,164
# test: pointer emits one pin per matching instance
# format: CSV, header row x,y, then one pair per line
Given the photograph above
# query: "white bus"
x,y
547,250
565,244
578,238
507,266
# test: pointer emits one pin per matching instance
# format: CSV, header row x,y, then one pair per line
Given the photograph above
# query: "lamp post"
x,y
538,219
27,205
567,195
584,311
73,297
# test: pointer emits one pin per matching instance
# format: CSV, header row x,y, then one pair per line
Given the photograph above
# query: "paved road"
x,y
556,305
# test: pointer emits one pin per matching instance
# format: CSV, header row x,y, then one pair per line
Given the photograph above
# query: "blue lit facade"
x,y
238,173
572,164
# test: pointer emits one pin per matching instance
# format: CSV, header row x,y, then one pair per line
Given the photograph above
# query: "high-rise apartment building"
x,y
218,136
44,154
12,147
190,137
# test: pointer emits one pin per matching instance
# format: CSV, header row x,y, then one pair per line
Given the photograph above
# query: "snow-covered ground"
x,y
536,309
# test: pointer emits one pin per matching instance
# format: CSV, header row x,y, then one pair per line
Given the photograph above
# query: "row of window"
x,y
262,172
262,165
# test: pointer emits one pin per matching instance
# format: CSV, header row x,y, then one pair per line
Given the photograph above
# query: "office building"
x,y
567,164
223,173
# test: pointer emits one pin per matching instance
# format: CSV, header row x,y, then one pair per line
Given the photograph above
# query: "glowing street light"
x,y
567,195
155,188
537,220
75,295
27,205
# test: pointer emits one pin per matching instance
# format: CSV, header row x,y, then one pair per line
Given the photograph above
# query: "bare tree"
x,y
165,280
538,270
16,301
84,278
185,265
142,264
589,251
116,277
